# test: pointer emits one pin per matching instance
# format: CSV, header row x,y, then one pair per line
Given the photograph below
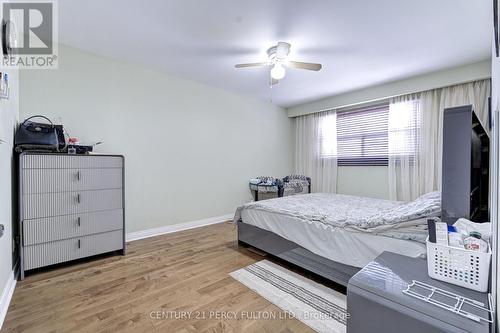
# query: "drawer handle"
x,y
79,221
78,175
78,197
79,243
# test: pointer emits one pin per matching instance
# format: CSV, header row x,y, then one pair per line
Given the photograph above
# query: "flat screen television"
x,y
465,173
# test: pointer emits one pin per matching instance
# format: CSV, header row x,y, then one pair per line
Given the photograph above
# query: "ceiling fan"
x,y
278,55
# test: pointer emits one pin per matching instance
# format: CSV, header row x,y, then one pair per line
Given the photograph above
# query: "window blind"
x,y
362,136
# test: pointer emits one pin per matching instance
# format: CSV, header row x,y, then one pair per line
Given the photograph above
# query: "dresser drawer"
x,y
69,249
64,161
50,229
64,180
66,203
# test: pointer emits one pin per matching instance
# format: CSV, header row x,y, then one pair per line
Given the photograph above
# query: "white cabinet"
x,y
70,207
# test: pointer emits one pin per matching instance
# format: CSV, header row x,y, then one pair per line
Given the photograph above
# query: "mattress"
x,y
352,212
346,246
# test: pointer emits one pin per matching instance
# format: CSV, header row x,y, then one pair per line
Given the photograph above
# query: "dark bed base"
x,y
289,251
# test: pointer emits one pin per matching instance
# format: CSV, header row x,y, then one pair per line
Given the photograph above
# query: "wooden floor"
x,y
184,271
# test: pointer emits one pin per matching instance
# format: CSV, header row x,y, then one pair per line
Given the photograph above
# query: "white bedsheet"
x,y
348,247
347,211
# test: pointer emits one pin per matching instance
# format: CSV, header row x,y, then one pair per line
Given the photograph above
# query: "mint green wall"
x,y
365,181
189,148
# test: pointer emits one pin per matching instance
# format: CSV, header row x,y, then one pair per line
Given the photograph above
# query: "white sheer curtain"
x,y
316,150
413,172
404,152
475,93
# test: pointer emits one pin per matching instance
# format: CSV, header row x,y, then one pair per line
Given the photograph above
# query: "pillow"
x,y
427,205
436,195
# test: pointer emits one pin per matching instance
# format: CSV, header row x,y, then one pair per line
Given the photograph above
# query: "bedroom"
x,y
144,239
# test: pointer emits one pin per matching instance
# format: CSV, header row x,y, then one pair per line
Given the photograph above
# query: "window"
x,y
362,136
367,136
404,128
328,136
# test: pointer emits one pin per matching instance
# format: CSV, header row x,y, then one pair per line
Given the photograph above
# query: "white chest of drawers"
x,y
70,207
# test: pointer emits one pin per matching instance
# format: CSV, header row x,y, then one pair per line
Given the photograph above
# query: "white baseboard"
x,y
8,291
136,235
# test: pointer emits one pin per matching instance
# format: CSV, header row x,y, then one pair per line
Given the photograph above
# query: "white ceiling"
x,y
359,42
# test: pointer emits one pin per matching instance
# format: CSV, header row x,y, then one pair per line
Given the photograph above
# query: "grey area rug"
x,y
319,307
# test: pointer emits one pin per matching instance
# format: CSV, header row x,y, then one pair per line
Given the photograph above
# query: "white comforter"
x,y
352,212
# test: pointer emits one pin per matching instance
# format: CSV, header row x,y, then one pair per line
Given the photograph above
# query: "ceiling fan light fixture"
x,y
278,71
277,56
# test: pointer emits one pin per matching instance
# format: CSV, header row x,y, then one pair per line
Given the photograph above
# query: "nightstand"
x,y
376,303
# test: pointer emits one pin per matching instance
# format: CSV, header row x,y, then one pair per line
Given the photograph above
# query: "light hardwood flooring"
x,y
184,271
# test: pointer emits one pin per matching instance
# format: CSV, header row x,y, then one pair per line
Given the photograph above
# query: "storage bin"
x,y
465,268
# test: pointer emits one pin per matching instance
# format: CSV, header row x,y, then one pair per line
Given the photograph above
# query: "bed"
x,y
335,235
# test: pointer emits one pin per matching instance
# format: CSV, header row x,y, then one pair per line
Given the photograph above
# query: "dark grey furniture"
x,y
293,253
465,183
375,301
70,207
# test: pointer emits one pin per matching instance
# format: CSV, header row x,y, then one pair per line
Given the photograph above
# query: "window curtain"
x,y
404,148
418,171
316,150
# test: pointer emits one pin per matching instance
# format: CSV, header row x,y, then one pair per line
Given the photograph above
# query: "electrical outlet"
x,y
2,229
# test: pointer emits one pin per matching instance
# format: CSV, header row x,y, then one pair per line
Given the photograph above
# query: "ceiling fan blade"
x,y
304,65
252,64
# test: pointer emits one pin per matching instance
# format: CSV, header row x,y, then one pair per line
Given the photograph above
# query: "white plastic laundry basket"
x,y
465,268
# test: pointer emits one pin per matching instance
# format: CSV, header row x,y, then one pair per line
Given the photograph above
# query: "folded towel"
x,y
255,181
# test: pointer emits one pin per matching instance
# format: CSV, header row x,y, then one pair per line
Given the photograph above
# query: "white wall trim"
x,y
136,235
8,291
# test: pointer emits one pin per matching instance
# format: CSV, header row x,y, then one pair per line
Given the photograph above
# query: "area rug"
x,y
319,307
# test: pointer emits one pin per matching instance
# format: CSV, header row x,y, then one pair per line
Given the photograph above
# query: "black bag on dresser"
x,y
38,136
